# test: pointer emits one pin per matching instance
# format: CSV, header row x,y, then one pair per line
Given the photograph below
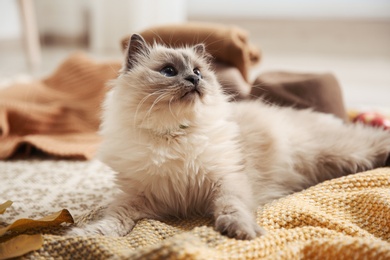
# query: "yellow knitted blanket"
x,y
345,218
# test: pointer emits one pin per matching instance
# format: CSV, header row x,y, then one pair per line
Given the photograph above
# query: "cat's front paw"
x,y
105,227
76,231
238,226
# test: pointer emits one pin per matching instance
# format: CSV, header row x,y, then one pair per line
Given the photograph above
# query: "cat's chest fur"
x,y
176,154
172,172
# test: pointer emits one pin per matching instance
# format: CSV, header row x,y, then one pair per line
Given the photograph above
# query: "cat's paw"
x,y
76,231
107,227
238,226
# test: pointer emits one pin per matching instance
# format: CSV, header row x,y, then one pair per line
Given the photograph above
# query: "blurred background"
x,y
350,38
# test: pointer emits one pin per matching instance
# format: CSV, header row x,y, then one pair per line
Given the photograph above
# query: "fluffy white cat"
x,y
180,148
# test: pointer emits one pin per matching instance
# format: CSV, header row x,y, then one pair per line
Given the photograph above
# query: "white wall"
x,y
106,21
61,17
9,20
290,8
112,20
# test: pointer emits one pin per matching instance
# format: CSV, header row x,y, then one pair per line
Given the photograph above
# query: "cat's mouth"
x,y
195,91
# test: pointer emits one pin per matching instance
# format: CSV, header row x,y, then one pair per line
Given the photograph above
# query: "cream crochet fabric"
x,y
345,218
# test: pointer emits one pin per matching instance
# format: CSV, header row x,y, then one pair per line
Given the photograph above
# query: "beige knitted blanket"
x,y
346,218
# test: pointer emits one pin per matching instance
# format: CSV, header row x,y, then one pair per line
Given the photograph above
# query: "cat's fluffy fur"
x,y
180,148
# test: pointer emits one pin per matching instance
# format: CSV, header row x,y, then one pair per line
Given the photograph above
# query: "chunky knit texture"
x,y
59,114
345,218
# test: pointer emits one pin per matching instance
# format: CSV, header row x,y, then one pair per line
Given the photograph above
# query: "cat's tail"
x,y
347,149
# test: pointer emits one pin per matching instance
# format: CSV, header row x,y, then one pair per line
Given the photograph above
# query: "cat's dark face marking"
x,y
168,75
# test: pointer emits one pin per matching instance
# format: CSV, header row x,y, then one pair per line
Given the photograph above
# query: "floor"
x,y
357,52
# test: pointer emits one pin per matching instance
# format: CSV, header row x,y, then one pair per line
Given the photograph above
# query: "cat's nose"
x,y
194,79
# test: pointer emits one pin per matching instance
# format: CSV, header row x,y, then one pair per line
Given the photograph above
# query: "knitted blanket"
x,y
345,218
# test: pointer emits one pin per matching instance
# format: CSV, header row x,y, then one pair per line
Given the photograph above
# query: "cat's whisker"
x,y
157,35
137,110
171,38
113,69
207,38
170,108
233,98
258,86
215,42
157,92
158,99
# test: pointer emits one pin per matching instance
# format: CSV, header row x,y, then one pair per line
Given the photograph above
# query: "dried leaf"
x,y
4,206
55,219
20,245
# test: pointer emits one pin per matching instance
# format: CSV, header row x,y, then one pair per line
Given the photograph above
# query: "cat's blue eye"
x,y
168,71
197,72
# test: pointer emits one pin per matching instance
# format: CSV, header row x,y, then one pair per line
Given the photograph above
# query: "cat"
x,y
181,149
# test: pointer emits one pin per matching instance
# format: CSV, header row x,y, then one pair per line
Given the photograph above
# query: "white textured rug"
x,y
41,187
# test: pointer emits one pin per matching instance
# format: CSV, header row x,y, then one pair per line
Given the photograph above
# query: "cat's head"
x,y
161,79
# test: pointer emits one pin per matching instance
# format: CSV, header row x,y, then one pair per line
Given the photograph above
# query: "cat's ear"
x,y
137,47
199,49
